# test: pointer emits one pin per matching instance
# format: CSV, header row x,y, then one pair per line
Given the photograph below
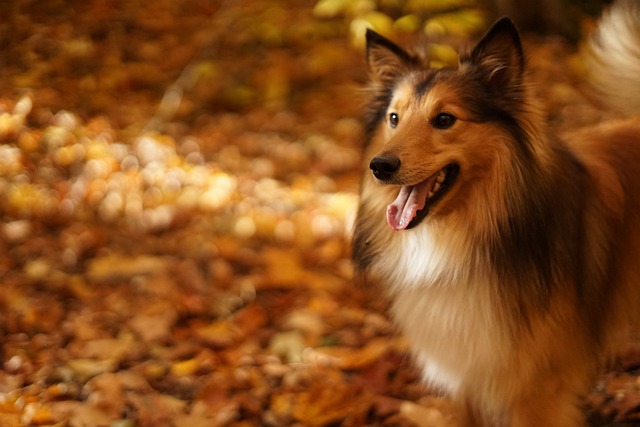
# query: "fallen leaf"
x,y
155,409
106,393
119,267
324,404
288,345
84,369
219,334
350,358
154,323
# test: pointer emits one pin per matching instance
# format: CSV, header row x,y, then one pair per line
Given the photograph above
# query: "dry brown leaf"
x,y
215,400
350,358
195,420
328,403
133,381
79,414
37,414
121,267
281,406
219,334
284,269
85,369
184,367
155,409
11,419
106,393
250,319
116,349
153,274
155,322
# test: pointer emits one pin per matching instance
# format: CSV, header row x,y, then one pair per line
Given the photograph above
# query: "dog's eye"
x,y
393,120
443,121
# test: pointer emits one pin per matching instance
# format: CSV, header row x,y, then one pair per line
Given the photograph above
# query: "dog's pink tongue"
x,y
410,200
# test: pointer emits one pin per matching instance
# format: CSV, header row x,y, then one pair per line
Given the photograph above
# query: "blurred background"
x,y
178,181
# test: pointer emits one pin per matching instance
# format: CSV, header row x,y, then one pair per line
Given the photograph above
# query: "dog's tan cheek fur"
x,y
480,185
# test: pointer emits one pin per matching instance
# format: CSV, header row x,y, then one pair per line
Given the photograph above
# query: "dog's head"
x,y
436,136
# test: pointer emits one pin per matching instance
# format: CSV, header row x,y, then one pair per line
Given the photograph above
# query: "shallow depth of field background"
x,y
178,181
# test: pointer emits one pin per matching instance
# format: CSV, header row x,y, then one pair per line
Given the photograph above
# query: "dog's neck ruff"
x,y
418,258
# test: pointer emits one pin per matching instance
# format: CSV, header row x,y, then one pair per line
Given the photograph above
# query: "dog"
x,y
510,256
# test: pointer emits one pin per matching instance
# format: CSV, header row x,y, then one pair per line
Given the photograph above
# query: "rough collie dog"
x,y
511,256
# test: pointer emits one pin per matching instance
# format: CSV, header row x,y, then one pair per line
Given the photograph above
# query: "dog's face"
x,y
436,136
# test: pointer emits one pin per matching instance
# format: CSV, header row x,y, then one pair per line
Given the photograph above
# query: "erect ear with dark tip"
x,y
387,60
499,56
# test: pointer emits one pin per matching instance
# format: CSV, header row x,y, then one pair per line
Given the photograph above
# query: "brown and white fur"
x,y
516,279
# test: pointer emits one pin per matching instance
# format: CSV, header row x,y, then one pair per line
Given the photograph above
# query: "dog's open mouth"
x,y
412,204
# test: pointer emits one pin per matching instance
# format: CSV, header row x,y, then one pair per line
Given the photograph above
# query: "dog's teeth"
x,y
436,185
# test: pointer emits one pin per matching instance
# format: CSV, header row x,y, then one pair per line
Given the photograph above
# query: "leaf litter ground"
x,y
177,191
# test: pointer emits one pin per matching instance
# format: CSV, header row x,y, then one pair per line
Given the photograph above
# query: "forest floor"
x,y
177,186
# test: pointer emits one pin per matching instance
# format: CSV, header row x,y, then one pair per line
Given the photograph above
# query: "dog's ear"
x,y
499,56
387,60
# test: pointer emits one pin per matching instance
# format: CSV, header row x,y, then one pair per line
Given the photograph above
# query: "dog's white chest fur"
x,y
454,335
445,312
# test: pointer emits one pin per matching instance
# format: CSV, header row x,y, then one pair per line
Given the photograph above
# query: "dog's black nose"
x,y
384,167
